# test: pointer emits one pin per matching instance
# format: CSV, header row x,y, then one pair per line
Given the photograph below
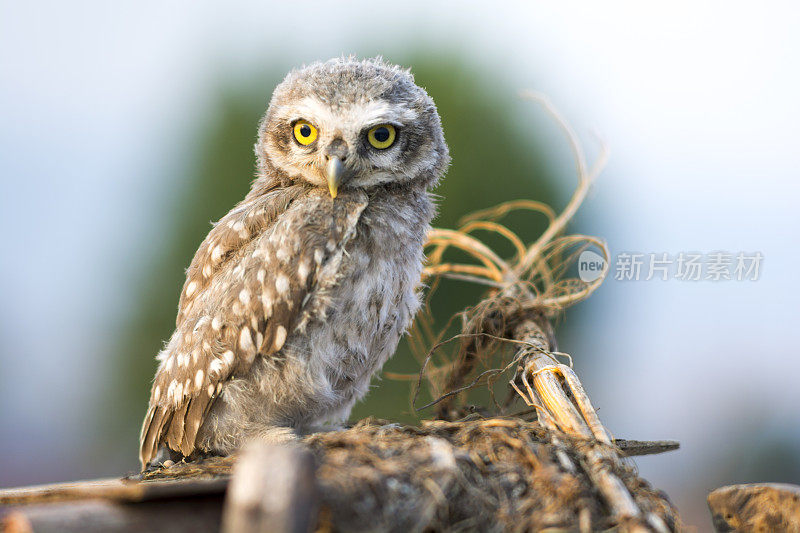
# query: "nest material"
x,y
534,283
496,474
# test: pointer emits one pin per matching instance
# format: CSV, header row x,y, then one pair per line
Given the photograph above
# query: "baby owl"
x,y
301,292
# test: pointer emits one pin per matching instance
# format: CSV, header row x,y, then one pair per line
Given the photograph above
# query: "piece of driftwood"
x,y
273,488
756,507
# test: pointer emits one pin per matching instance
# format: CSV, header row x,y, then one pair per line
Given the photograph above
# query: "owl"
x,y
300,294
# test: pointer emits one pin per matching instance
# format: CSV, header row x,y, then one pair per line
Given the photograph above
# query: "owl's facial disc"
x,y
349,145
351,124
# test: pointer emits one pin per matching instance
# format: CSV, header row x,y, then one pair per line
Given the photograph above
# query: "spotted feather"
x,y
245,312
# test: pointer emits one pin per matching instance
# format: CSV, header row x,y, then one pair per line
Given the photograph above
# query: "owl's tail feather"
x,y
155,424
175,428
181,435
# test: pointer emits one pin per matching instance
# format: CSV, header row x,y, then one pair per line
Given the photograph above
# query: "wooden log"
x,y
756,507
114,489
273,489
174,515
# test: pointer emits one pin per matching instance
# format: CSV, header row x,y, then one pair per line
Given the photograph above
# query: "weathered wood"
x,y
114,489
174,515
631,448
756,507
273,489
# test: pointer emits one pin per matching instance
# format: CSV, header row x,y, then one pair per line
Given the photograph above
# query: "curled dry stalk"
x,y
525,292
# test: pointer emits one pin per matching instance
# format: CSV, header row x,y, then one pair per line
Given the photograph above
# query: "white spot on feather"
x,y
216,324
198,378
178,392
215,367
266,303
190,288
302,271
241,230
216,254
282,285
244,296
280,337
171,390
228,357
157,393
246,340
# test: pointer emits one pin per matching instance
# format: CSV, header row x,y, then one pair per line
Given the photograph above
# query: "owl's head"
x,y
347,123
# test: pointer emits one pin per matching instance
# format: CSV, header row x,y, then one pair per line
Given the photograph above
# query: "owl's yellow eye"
x,y
305,132
381,136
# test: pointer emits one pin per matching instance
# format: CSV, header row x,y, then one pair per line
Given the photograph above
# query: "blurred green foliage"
x,y
495,156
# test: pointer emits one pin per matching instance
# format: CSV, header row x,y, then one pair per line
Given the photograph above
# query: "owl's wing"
x,y
250,218
253,297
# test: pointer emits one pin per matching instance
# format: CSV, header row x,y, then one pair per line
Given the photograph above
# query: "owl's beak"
x,y
334,170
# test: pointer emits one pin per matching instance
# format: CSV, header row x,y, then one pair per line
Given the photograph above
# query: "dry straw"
x,y
533,282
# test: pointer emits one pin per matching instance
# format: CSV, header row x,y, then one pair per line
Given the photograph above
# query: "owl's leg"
x,y
224,439
240,416
334,420
275,435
